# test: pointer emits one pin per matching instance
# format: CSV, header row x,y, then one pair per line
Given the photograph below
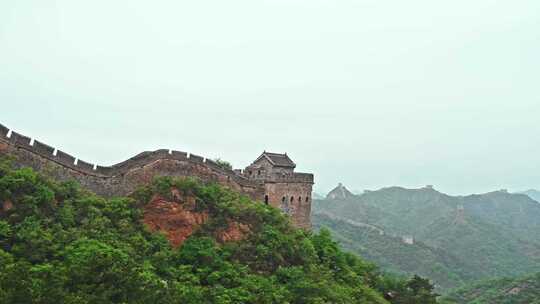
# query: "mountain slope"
x,y
516,213
523,290
394,255
532,193
490,235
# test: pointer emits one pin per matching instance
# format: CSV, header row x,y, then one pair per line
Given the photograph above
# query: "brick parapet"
x,y
140,160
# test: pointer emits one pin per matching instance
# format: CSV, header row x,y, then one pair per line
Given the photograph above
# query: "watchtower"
x,y
284,188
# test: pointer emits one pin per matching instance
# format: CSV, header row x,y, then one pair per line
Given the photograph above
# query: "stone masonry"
x,y
270,178
284,189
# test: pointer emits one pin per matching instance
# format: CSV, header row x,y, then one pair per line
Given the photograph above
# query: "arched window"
x,y
266,199
292,199
259,172
299,199
307,199
284,205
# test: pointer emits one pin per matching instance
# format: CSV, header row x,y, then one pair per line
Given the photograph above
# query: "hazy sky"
x,y
368,93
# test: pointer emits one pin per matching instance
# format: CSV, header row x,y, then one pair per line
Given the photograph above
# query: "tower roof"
x,y
277,159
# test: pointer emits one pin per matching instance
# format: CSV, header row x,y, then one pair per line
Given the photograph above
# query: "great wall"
x,y
269,179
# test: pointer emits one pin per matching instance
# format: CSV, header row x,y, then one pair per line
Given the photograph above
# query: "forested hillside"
x,y
468,237
523,290
392,254
62,244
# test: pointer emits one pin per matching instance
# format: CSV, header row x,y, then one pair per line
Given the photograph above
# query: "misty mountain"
x,y
392,254
521,290
340,192
482,236
317,196
532,193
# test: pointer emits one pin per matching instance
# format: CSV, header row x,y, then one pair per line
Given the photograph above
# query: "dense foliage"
x,y
523,290
61,244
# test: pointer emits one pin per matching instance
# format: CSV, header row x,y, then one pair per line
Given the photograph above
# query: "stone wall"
x,y
123,178
293,199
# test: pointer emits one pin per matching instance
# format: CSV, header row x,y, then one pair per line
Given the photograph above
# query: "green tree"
x,y
62,244
223,164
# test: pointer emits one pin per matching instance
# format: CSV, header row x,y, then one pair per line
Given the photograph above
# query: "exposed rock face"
x,y
3,146
178,220
287,190
7,205
234,232
340,192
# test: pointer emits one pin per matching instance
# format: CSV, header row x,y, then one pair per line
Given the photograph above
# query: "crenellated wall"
x,y
123,178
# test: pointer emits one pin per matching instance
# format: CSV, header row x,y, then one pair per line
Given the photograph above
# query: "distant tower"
x,y
407,239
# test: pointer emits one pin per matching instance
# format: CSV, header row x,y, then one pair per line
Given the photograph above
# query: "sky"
x,y
370,93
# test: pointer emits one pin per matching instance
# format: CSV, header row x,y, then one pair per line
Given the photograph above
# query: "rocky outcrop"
x,y
178,219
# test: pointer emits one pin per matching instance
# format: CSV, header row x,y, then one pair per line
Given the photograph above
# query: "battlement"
x,y
123,178
35,146
53,154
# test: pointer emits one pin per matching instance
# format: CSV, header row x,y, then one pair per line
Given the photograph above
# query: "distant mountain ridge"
x,y
532,193
340,192
488,235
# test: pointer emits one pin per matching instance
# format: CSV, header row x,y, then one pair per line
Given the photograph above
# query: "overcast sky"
x,y
370,93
